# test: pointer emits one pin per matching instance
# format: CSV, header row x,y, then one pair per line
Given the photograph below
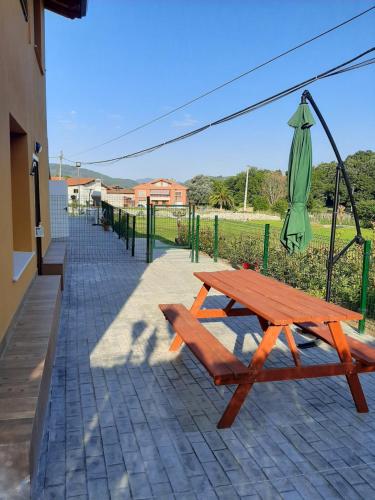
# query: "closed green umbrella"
x,y
296,232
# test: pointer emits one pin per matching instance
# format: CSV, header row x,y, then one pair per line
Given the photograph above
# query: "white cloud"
x,y
187,121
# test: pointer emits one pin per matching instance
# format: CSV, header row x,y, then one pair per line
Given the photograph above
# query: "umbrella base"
x,y
314,342
308,345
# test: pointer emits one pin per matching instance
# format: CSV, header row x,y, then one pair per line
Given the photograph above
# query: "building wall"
x,y
22,111
58,203
120,199
83,194
142,191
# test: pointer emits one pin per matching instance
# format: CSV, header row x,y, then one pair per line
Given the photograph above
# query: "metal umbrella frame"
x,y
340,172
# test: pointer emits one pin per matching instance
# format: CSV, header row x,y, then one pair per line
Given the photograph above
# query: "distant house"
x,y
81,188
120,197
161,192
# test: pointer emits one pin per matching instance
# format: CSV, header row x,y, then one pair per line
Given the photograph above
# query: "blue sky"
x,y
129,61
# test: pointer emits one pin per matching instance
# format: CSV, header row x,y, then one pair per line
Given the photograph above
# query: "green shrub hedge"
x,y
306,270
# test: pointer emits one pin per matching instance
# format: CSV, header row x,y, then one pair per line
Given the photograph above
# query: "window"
x,y
38,33
160,192
141,194
178,195
75,190
20,196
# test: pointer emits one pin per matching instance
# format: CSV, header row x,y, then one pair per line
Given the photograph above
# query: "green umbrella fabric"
x,y
296,232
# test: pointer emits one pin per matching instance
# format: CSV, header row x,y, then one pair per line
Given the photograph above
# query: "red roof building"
x,y
161,192
75,181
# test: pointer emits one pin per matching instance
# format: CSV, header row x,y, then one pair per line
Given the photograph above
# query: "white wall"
x,y
58,203
83,196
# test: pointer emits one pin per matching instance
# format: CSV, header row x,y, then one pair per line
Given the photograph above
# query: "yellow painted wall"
x,y
22,97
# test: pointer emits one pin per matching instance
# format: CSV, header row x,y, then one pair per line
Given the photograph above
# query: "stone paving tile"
x,y
129,420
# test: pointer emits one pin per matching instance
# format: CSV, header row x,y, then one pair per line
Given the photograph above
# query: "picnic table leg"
x,y
292,345
265,347
200,298
176,343
197,304
229,306
289,338
343,351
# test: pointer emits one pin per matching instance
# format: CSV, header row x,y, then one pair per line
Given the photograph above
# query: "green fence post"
x,y
152,235
112,219
189,227
153,227
216,238
364,287
197,239
148,230
192,236
133,235
127,230
266,244
119,223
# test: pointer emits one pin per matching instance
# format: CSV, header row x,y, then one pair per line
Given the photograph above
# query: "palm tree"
x,y
221,196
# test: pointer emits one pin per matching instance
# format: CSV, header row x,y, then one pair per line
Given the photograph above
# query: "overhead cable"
x,y
228,82
341,68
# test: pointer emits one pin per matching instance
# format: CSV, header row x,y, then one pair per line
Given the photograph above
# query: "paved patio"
x,y
130,420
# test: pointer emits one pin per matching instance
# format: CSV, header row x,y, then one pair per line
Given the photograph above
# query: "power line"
x,y
228,82
341,68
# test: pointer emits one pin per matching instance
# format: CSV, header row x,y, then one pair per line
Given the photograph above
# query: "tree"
x,y
200,189
221,196
274,186
236,185
260,203
280,207
361,170
366,212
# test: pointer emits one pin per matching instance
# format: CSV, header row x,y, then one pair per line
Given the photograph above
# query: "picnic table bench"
x,y
277,307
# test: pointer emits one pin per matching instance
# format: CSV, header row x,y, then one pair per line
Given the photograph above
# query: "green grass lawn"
x,y
166,229
236,228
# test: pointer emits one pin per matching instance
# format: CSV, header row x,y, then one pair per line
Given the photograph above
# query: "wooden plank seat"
x,y
25,373
220,363
363,353
54,260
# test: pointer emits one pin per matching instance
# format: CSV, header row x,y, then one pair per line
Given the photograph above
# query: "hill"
x,y
71,171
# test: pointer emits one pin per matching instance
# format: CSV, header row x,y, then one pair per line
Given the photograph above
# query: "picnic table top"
x,y
272,300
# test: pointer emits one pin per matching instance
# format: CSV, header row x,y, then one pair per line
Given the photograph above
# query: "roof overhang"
x,y
72,9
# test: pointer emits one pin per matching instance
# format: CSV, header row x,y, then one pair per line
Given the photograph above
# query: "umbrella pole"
x,y
340,170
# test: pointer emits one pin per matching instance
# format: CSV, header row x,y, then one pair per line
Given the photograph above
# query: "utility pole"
x,y
60,163
246,188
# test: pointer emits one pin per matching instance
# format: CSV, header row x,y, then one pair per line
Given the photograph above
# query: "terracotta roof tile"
x,y
75,181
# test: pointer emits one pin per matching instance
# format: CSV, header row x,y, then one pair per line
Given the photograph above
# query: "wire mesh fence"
x,y
257,246
89,239
169,223
149,231
145,232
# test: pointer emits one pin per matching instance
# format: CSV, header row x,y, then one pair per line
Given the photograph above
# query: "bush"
x,y
260,203
306,270
315,206
366,212
280,207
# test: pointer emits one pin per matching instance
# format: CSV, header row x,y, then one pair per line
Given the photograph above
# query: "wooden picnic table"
x,y
277,307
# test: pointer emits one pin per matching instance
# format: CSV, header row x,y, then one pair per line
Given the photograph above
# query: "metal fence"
x,y
145,230
89,239
150,230
258,247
